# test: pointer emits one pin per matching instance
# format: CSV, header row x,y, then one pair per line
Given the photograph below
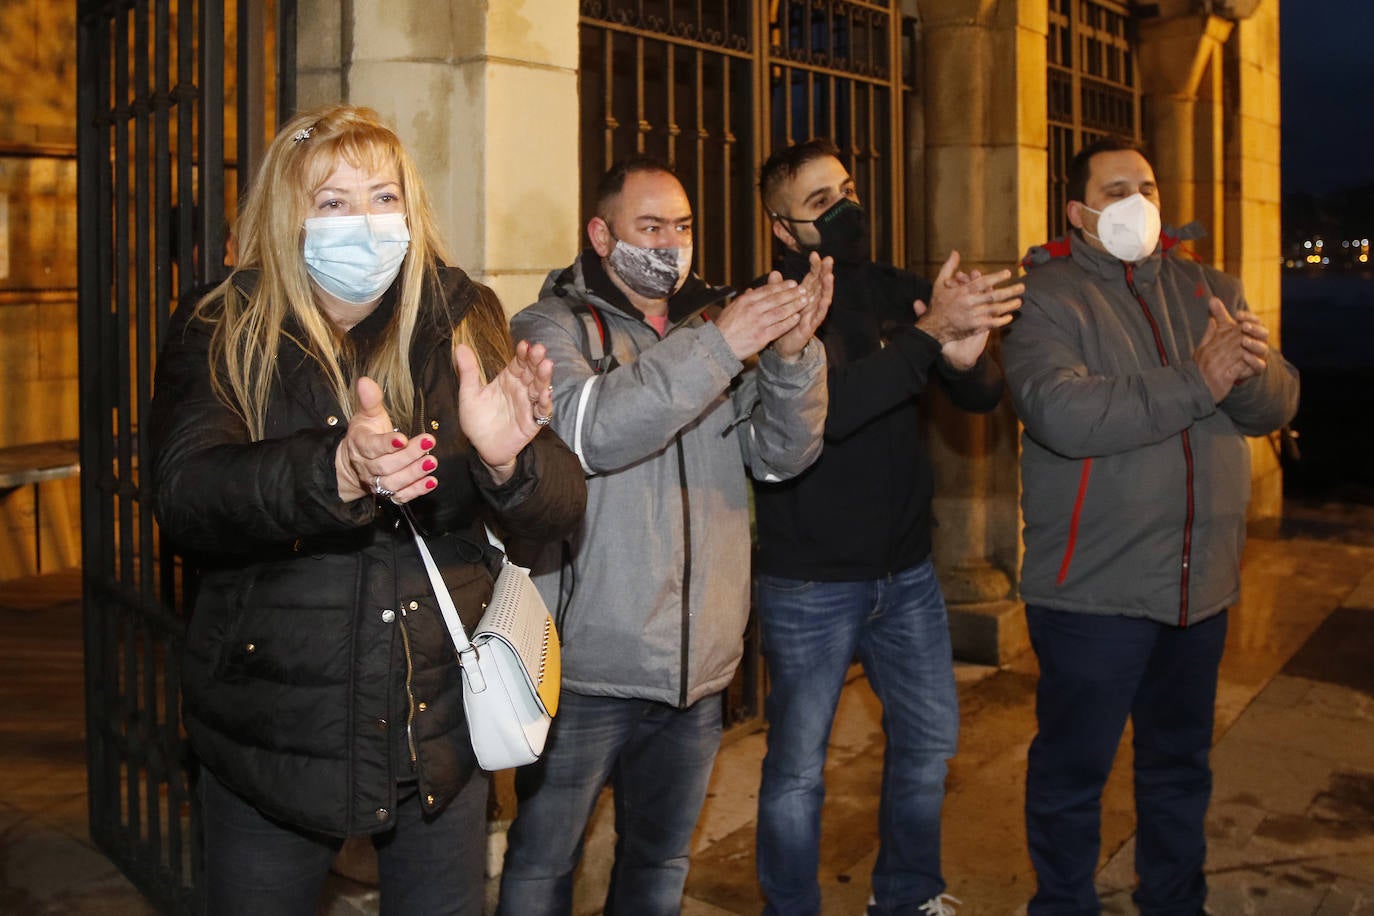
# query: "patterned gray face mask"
x,y
654,273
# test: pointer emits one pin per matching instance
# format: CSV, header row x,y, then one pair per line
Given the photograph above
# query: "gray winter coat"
x,y
652,591
1134,483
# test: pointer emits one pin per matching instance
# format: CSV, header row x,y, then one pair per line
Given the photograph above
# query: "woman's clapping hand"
x,y
502,416
375,458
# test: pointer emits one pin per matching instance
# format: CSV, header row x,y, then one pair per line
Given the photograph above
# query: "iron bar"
x,y
286,60
210,120
252,106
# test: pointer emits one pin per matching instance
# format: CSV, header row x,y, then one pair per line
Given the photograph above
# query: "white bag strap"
x,y
436,582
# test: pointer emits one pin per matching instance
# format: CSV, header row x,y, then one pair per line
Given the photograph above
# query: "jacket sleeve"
x,y
1260,405
545,496
977,389
634,411
785,404
868,387
216,490
1079,414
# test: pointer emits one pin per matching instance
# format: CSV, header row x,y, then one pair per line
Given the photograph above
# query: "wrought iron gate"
x,y
159,103
714,86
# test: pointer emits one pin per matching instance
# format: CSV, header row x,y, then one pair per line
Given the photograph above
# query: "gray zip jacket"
x,y
1134,483
652,591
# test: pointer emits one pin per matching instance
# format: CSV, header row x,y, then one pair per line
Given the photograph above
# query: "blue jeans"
x,y
1095,670
811,631
256,864
658,759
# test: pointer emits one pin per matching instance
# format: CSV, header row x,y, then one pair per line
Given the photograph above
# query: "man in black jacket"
x,y
843,564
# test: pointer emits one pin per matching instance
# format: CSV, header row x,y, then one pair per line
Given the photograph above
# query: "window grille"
x,y
714,86
1093,87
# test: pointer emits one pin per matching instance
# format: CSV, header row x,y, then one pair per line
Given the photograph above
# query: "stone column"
x,y
1181,72
1253,249
485,96
983,71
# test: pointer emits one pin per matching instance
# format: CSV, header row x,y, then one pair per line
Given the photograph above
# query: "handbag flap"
x,y
518,616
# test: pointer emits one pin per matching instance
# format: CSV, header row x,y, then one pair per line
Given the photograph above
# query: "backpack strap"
x,y
596,338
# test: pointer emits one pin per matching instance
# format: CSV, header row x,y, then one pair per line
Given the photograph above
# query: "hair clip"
x,y
303,134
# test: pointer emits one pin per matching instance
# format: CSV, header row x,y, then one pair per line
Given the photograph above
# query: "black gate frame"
x,y
151,182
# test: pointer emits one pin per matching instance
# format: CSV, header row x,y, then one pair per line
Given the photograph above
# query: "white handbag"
x,y
511,666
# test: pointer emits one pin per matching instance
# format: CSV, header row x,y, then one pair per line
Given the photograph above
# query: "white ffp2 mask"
x,y
1127,228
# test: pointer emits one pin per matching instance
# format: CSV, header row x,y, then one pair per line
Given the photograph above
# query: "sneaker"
x,y
942,905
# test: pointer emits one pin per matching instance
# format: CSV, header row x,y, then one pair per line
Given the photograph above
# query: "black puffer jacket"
x,y
317,671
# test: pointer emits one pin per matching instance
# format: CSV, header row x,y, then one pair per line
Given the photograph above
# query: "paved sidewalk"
x,y
1291,827
1292,824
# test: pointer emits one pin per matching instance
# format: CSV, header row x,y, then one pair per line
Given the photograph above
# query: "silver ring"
x,y
542,421
381,490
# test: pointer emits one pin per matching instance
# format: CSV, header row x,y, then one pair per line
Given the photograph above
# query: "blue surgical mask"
x,y
355,258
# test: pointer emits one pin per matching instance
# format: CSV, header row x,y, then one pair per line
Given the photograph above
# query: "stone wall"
x,y
38,359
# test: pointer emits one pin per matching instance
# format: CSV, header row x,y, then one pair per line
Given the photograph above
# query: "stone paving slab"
x,y
45,871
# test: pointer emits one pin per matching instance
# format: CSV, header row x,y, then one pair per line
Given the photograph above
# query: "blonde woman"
x,y
340,373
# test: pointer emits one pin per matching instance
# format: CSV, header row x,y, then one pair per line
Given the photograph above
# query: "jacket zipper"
x,y
1187,460
410,694
686,571
685,650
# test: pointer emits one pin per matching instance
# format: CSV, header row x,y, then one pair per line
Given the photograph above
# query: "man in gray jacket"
x,y
651,594
1138,374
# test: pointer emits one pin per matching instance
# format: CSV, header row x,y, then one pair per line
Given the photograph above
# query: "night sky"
x,y
1327,63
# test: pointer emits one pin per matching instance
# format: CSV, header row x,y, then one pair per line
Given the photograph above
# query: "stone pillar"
x,y
1253,249
985,186
485,96
1181,72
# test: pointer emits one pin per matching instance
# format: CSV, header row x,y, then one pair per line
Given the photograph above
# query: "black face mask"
x,y
844,232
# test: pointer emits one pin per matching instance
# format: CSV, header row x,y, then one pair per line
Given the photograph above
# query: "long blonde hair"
x,y
248,329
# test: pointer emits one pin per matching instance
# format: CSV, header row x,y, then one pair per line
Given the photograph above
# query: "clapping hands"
x,y
1232,349
964,308
499,418
782,312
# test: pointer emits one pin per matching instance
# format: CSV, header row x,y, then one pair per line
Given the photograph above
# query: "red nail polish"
x,y
431,484
428,464
397,443
426,443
